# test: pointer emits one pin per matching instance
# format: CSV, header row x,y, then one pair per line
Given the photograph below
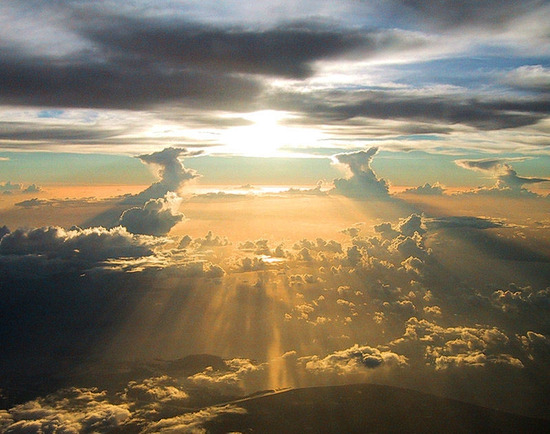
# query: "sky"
x,y
305,193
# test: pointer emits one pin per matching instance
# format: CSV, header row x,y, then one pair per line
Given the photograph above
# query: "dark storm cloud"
x,y
138,62
341,107
287,50
39,81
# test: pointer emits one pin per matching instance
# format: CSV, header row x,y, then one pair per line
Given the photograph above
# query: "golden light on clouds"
x,y
202,204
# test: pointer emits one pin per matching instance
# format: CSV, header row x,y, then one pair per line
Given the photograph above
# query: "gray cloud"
x,y
530,77
115,84
492,14
156,217
88,245
341,107
140,62
363,182
30,132
462,222
8,187
287,50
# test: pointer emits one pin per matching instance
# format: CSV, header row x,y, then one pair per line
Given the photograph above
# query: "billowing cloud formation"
x,y
88,245
156,217
457,346
354,359
427,190
69,411
363,182
171,171
500,169
9,188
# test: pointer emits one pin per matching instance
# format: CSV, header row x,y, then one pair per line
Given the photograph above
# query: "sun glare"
x,y
266,137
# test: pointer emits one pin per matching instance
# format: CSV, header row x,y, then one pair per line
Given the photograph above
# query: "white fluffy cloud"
x,y
173,175
363,182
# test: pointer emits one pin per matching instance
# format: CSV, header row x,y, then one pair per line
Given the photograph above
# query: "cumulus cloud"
x,y
210,240
73,410
93,244
9,188
363,182
456,347
501,170
353,360
230,381
427,190
156,217
316,191
173,175
251,264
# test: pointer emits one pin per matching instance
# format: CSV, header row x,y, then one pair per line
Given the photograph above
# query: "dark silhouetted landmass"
x,y
368,408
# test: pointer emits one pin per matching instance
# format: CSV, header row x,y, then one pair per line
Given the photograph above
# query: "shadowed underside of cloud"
x,y
217,66
456,222
339,107
156,217
363,183
88,245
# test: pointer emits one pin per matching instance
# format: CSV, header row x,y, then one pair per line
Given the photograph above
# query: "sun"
x,y
265,136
